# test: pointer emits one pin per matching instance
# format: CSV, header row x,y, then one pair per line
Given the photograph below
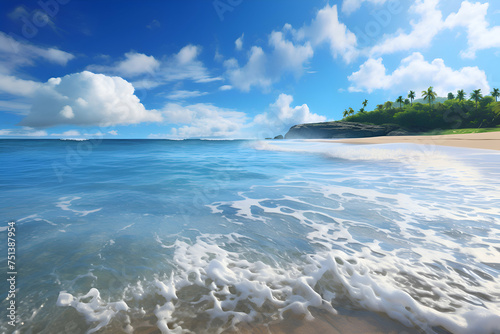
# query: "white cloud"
x,y
202,121
15,86
87,99
185,65
67,112
282,116
263,69
16,106
150,72
252,74
113,132
14,53
148,83
225,87
415,73
238,44
184,94
69,133
326,28
350,6
479,34
96,134
24,132
422,33
286,56
136,64
133,65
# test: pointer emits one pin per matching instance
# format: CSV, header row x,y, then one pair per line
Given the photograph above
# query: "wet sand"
x,y
487,140
346,322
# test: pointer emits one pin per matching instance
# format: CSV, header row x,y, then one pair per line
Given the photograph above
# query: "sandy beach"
x,y
487,140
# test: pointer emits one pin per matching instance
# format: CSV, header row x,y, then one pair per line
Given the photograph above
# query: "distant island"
x,y
406,116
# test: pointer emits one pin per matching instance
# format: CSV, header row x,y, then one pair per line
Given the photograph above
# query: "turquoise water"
x,y
199,236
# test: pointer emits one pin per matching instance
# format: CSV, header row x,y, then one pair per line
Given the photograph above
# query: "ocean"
x,y
212,236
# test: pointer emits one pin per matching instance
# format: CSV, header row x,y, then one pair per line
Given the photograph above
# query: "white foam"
x,y
95,310
126,227
422,159
383,293
73,139
65,204
411,245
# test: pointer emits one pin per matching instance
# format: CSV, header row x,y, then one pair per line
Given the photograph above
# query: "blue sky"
x,y
229,68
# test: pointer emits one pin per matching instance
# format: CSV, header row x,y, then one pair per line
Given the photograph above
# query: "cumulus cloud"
x,y
415,73
480,35
326,28
238,44
282,116
263,69
290,51
87,99
422,33
202,121
350,6
133,65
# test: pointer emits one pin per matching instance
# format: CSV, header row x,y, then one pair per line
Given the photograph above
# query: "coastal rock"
x,y
279,137
326,130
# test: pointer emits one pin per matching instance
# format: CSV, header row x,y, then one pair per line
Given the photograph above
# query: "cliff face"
x,y
327,130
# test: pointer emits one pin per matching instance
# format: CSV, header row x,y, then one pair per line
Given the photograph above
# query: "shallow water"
x,y
207,236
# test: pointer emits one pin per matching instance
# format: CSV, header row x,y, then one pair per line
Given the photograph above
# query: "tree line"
x,y
456,112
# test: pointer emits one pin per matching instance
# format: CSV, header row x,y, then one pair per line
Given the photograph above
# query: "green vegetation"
x,y
430,95
460,131
477,114
495,93
411,96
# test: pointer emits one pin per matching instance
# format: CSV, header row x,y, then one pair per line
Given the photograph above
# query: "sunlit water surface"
x,y
200,236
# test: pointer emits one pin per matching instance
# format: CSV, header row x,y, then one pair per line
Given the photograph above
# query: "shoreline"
x,y
324,322
485,140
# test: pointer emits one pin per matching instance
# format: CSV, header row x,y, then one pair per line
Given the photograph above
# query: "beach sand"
x,y
346,322
487,140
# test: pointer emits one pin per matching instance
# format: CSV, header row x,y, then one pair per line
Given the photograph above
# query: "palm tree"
x,y
430,95
365,103
388,105
495,93
451,96
411,96
476,96
460,95
345,114
400,101
351,111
